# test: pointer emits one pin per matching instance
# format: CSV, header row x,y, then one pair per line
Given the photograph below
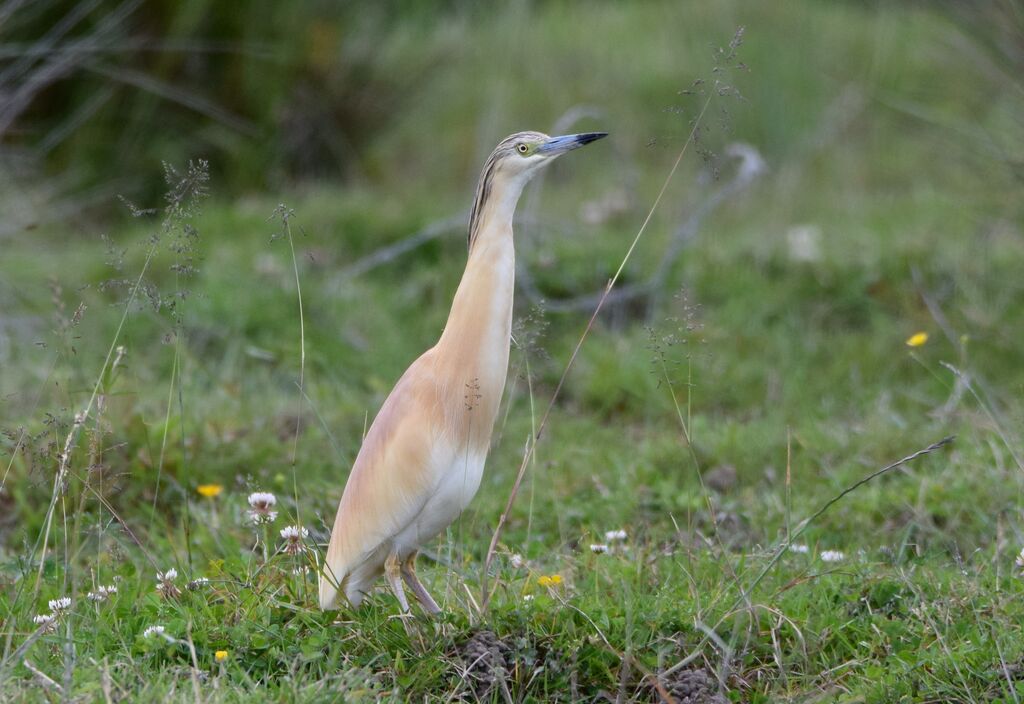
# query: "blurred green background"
x,y
383,94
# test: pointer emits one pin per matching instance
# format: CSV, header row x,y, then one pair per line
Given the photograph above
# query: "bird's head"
x,y
516,159
524,153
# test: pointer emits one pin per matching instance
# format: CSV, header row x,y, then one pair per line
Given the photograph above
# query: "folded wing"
x,y
390,483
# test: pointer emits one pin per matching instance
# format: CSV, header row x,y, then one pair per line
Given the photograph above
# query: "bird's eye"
x,y
522,148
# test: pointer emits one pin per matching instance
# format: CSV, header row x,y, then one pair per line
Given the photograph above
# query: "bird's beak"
x,y
566,143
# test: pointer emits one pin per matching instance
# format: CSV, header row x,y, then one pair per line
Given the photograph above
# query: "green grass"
x,y
783,367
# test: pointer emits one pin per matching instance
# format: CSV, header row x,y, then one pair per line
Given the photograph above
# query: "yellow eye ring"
x,y
522,148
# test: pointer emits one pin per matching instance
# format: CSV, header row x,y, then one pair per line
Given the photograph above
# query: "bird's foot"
x,y
418,590
392,571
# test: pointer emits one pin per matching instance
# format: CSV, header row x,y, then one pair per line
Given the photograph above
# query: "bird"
x,y
421,461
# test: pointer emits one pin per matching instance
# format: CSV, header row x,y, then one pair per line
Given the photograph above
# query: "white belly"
x,y
459,477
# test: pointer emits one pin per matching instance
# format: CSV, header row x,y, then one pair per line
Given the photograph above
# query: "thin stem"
x,y
302,338
163,441
789,483
69,442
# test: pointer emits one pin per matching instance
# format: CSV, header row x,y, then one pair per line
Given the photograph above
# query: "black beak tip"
x,y
588,137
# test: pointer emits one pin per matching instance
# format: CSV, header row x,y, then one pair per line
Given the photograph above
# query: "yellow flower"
x,y
221,655
917,339
550,580
209,490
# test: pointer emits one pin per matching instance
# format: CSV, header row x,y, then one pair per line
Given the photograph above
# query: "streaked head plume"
x,y
520,155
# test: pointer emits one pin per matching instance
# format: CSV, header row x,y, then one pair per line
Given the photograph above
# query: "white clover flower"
x,y
262,499
153,631
598,548
528,597
165,584
102,593
517,561
1020,561
613,535
293,536
293,532
800,548
59,605
832,556
197,584
261,505
46,621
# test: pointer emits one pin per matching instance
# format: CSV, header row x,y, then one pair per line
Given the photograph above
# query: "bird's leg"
x,y
409,574
392,570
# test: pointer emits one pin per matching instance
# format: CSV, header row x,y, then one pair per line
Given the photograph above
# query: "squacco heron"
x,y
421,461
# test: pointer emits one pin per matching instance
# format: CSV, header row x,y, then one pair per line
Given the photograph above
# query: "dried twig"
x,y
42,678
751,166
185,97
382,256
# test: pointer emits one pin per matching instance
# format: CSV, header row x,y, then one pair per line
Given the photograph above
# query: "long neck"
x,y
475,341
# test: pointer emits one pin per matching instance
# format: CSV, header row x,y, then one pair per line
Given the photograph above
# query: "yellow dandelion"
x,y
556,579
544,581
220,655
209,490
917,339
